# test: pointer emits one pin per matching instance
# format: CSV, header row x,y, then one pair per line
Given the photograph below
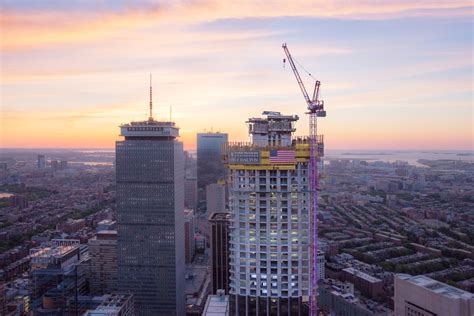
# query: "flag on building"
x,y
282,156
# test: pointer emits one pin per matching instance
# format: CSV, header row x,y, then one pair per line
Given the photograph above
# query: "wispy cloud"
x,y
29,29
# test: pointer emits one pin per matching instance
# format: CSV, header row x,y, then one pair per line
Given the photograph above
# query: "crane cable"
x,y
304,69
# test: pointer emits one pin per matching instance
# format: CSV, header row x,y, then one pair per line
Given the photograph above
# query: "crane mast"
x,y
315,110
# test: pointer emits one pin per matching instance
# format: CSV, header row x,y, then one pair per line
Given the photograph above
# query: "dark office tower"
x,y
150,204
210,168
219,223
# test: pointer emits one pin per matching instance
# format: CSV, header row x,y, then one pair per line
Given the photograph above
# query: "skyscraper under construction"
x,y
270,202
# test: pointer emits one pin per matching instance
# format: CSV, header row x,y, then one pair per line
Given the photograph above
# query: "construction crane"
x,y
315,110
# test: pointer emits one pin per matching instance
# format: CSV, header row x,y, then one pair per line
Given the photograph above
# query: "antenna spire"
x,y
151,100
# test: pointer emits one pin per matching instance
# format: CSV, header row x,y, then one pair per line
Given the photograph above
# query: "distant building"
x,y
150,218
220,260
114,305
103,254
55,165
210,168
41,162
215,198
190,192
3,166
18,200
63,164
422,296
189,229
217,305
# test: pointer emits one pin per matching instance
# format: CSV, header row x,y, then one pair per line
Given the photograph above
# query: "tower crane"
x,y
315,110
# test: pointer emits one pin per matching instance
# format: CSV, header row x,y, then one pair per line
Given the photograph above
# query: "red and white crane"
x,y
315,110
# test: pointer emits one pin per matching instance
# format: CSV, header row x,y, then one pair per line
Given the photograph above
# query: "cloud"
x,y
30,29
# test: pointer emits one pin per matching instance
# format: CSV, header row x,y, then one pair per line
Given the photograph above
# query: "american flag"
x,y
282,156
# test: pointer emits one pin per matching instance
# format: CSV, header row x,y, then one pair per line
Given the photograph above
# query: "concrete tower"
x,y
269,200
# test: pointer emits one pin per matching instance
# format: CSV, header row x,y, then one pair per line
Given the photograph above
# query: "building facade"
x,y
269,199
190,192
59,270
189,229
150,225
210,168
103,254
219,226
422,296
215,198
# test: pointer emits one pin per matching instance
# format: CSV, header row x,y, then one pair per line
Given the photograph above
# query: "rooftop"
x,y
436,286
220,217
149,128
54,250
216,305
362,275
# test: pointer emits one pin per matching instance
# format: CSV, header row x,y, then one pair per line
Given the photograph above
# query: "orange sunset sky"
x,y
395,74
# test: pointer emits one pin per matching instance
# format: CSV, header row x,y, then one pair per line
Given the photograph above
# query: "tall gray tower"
x,y
150,204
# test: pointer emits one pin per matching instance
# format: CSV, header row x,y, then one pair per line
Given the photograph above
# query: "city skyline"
x,y
394,76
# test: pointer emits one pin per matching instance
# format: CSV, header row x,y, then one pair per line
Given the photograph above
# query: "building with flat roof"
x,y
220,261
190,192
103,254
189,229
368,285
210,168
59,271
422,296
338,298
215,198
217,305
114,305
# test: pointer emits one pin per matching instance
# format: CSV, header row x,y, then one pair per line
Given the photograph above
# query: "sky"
x,y
395,74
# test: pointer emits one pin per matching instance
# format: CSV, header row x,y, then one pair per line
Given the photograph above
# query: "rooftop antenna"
x,y
171,113
151,100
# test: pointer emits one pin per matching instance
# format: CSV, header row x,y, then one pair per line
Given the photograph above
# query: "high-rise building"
x,y
190,192
215,198
150,225
41,162
103,254
422,296
189,229
269,199
219,227
210,168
